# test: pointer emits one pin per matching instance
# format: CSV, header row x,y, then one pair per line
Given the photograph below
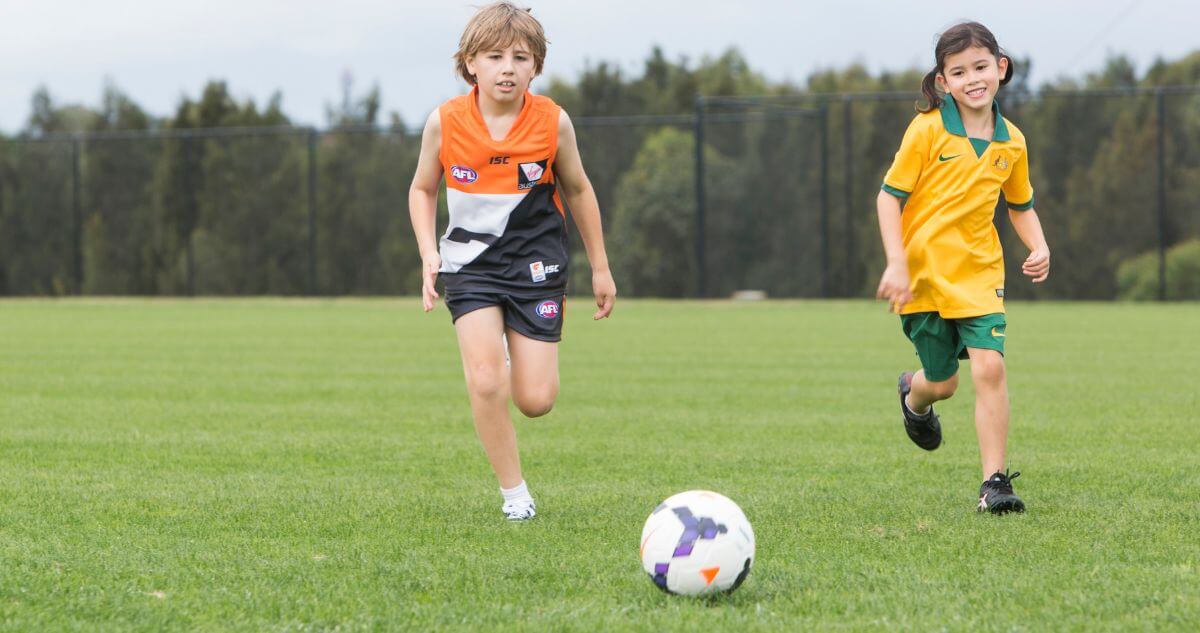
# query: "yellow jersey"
x,y
950,185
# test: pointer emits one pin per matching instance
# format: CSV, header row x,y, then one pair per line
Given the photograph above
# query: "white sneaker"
x,y
519,509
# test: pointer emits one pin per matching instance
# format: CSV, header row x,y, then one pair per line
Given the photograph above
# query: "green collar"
x,y
954,125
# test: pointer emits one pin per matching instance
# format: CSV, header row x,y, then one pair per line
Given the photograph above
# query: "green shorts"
x,y
942,342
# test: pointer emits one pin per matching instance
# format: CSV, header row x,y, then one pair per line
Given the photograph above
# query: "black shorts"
x,y
538,319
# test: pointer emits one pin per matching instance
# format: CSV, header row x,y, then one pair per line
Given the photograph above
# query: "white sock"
x,y
520,492
910,409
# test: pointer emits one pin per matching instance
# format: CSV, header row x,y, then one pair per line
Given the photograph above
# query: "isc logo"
x,y
464,175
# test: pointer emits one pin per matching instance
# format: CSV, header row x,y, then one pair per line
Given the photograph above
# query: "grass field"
x,y
311,465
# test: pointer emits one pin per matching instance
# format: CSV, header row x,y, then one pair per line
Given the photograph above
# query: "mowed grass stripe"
x,y
308,465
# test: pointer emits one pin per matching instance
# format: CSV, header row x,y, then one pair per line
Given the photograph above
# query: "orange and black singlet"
x,y
507,229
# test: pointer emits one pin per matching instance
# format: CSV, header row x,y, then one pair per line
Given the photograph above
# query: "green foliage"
x,y
230,215
653,220
1137,279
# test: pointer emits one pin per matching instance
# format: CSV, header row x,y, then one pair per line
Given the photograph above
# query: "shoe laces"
x,y
1002,481
520,509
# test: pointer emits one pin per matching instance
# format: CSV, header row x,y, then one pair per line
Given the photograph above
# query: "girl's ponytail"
x,y
929,89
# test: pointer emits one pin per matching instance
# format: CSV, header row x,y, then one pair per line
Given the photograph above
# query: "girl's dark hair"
x,y
957,39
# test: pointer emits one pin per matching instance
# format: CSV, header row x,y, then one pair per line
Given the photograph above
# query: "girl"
x,y
945,268
507,156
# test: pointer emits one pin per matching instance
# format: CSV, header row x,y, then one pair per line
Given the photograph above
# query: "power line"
x,y
1087,48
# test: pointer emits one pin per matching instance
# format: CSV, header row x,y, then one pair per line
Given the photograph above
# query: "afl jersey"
x,y
507,230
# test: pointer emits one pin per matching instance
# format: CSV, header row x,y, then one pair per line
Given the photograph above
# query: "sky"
x,y
159,51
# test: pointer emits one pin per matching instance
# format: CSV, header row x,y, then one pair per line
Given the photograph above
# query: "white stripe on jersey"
x,y
478,213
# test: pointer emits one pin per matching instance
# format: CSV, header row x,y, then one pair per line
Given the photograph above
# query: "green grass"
x,y
311,465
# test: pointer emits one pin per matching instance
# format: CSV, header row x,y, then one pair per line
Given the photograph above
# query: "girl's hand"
x,y
1037,265
605,290
430,264
893,286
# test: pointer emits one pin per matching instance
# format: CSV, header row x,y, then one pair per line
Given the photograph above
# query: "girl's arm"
x,y
422,207
581,199
1029,229
894,285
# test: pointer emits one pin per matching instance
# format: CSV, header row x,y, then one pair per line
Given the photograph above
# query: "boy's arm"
x,y
422,207
894,285
1029,229
581,199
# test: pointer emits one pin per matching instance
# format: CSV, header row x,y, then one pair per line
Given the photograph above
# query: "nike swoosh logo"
x,y
997,334
946,158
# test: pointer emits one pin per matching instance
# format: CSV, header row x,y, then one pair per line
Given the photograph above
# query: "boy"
x,y
507,156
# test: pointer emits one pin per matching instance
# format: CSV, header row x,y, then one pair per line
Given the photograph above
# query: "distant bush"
x,y
1137,278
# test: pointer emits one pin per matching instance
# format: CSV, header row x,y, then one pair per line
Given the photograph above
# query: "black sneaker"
x,y
924,430
996,495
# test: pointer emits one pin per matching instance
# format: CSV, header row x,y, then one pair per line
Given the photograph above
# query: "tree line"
x,y
162,206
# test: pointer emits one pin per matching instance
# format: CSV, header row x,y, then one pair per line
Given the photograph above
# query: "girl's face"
x,y
972,77
503,74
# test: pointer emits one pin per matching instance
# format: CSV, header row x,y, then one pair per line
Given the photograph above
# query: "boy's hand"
x,y
893,286
430,264
1037,265
605,290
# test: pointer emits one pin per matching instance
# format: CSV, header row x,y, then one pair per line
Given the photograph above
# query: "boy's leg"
x,y
534,327
534,373
991,407
480,340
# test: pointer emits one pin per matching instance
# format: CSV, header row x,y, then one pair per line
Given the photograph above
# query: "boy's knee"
x,y
536,402
487,381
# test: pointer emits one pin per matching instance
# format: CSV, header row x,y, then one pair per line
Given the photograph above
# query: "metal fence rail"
x,y
773,193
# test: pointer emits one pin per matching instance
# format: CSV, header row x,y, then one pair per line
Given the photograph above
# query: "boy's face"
x,y
972,77
503,74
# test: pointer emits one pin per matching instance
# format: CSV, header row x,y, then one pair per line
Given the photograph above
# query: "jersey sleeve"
x,y
1018,191
906,168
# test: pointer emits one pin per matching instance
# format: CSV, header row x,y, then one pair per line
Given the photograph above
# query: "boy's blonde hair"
x,y
497,26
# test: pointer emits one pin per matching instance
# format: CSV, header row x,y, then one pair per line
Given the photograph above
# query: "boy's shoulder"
x,y
461,103
542,103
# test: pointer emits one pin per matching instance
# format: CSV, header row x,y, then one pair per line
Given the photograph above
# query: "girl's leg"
x,y
925,392
991,407
480,340
534,373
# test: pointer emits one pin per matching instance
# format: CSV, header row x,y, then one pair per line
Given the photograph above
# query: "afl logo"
x,y
547,310
464,175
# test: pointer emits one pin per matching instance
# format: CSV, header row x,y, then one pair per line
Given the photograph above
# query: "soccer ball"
x,y
697,542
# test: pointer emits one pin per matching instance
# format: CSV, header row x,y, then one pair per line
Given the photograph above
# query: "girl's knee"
x,y
988,369
944,389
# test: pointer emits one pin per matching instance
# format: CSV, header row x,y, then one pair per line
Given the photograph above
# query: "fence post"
x,y
698,134
824,114
1161,102
312,211
848,178
76,217
189,214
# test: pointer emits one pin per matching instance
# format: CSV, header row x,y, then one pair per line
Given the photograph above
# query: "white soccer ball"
x,y
697,542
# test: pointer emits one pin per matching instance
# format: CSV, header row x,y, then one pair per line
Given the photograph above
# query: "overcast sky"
x,y
158,51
